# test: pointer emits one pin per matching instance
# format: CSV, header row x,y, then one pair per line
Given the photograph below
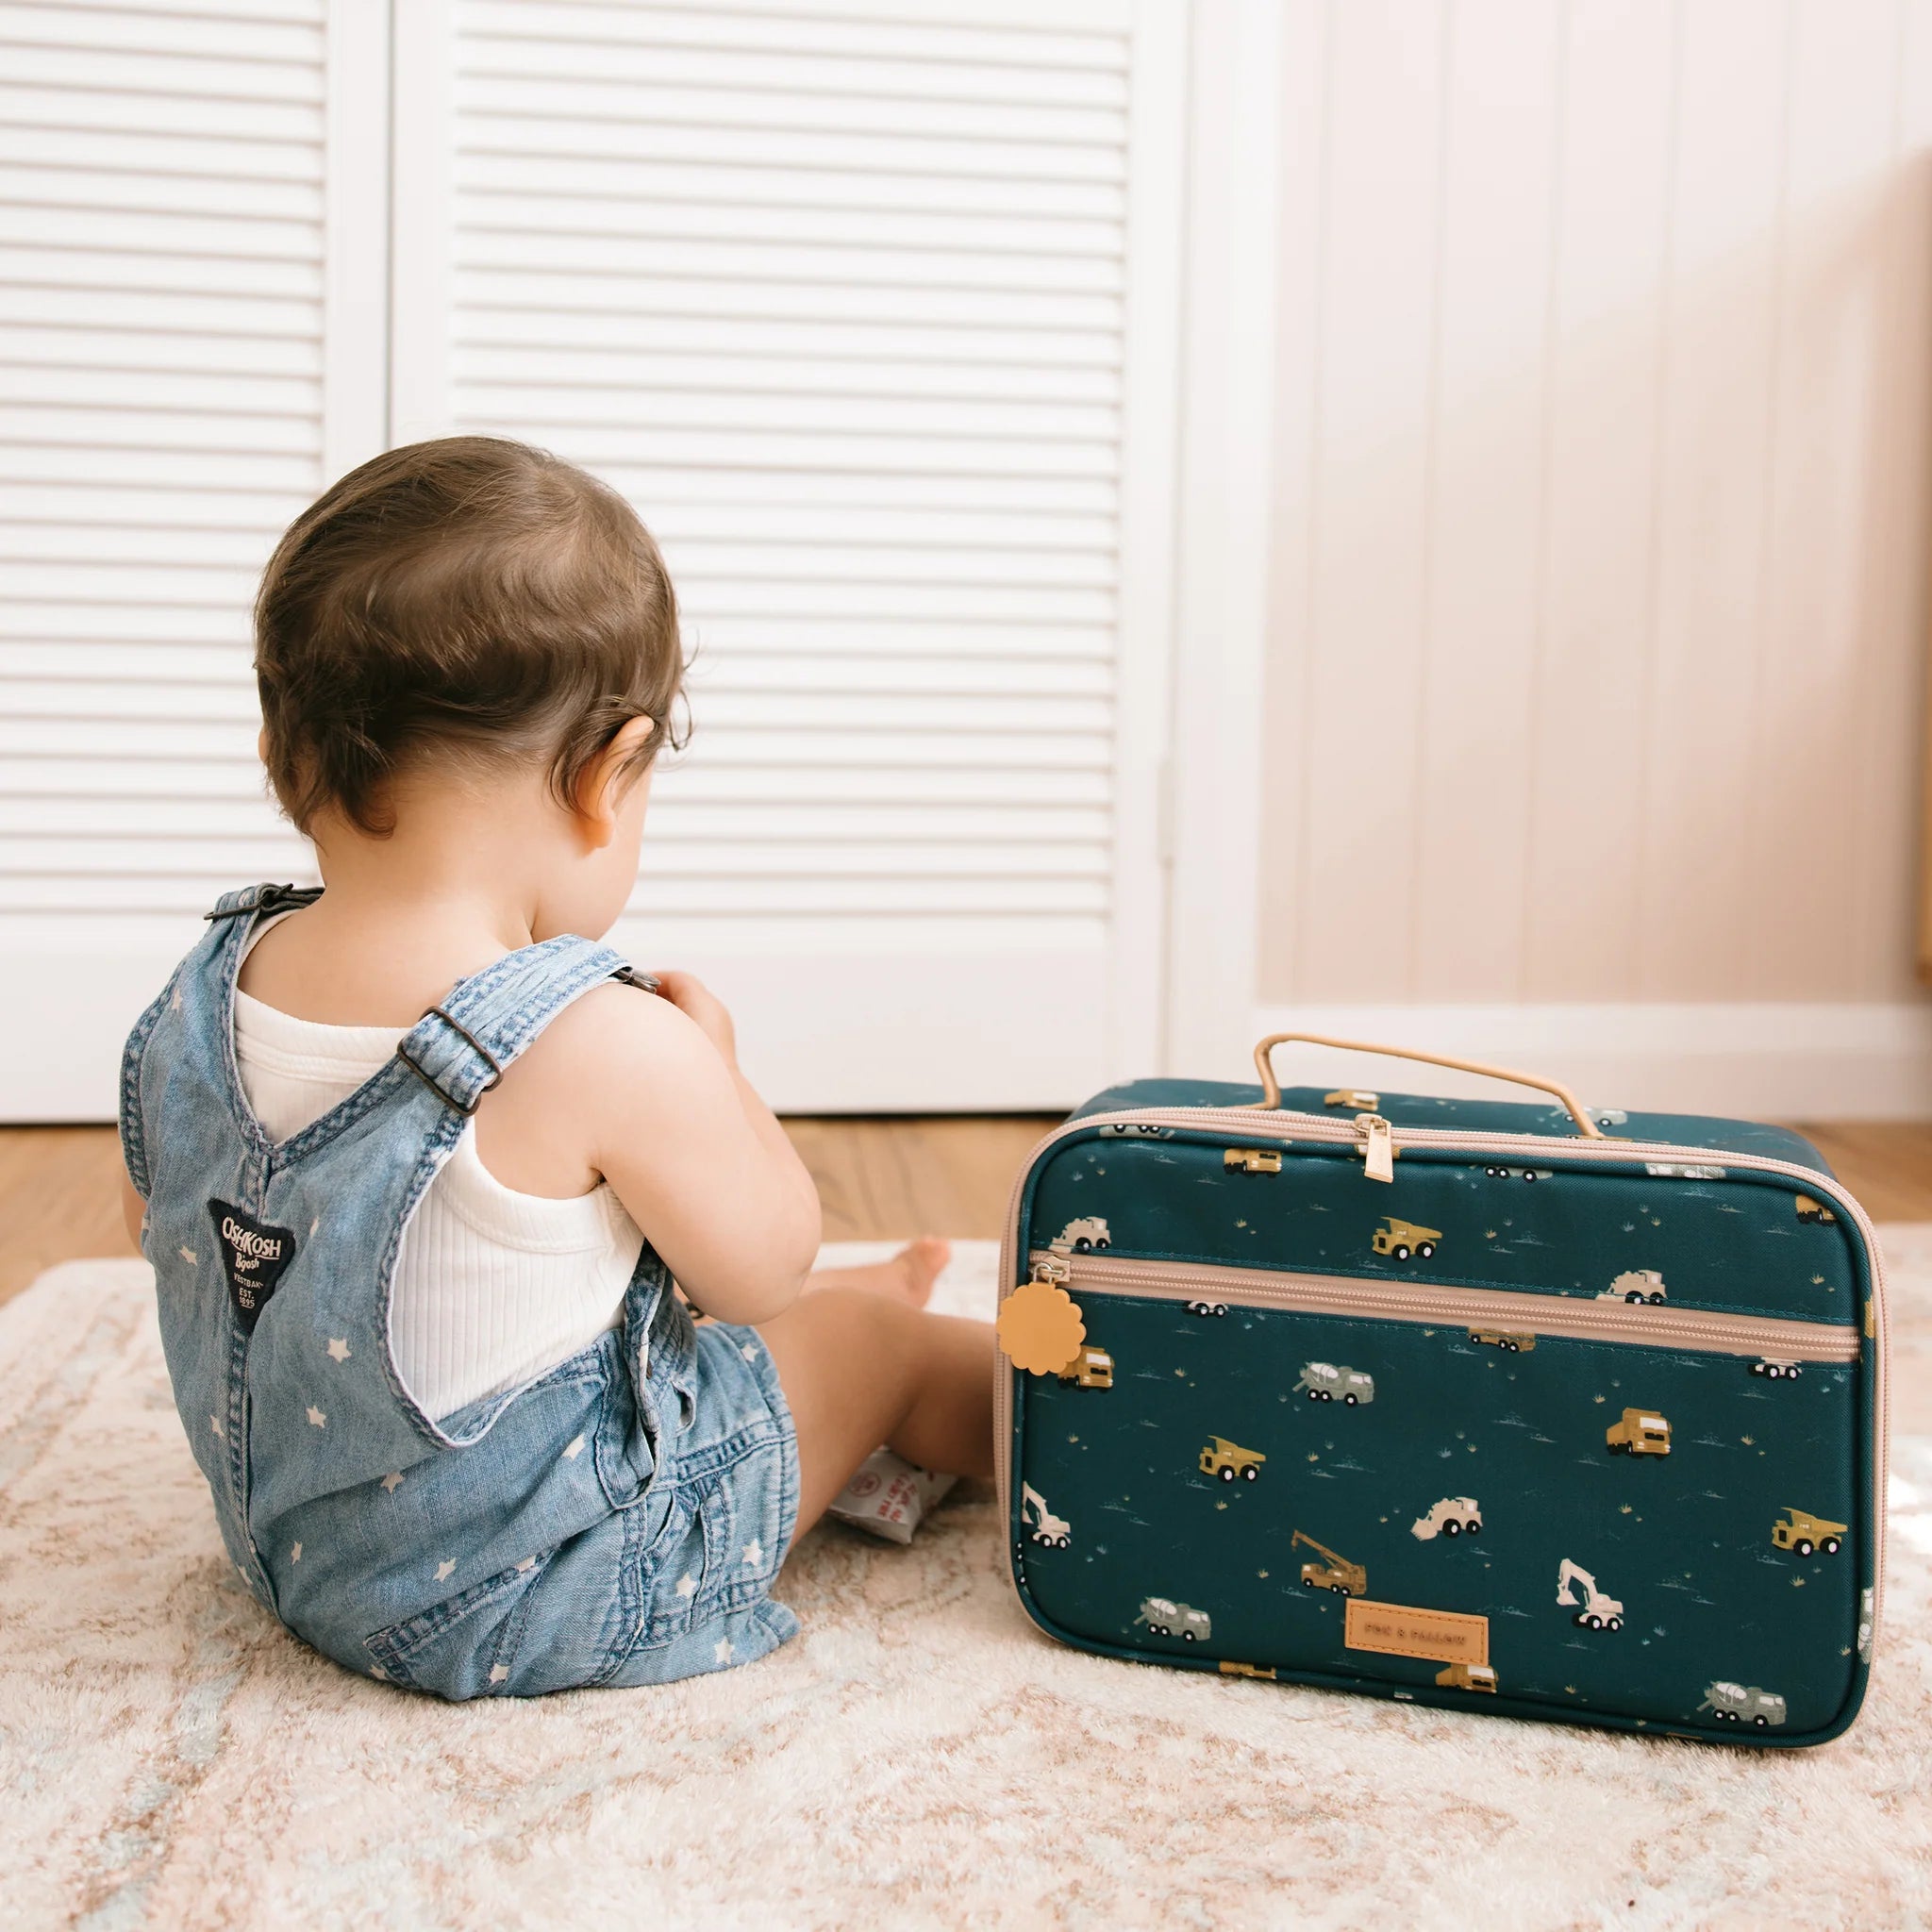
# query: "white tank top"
x,y
491,1287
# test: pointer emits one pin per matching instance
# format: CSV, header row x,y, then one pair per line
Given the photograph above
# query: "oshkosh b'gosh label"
x,y
252,1256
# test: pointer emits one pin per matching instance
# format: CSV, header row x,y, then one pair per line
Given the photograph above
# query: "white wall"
x,y
1599,585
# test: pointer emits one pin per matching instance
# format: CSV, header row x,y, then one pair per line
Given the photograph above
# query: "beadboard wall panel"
x,y
873,320
1602,508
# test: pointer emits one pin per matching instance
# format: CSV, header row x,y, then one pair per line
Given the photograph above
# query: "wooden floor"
x,y
878,1179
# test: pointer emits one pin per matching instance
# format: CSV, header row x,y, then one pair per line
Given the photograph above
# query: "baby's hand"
x,y
700,1004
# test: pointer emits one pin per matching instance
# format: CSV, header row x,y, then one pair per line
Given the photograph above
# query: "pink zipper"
x,y
1446,1305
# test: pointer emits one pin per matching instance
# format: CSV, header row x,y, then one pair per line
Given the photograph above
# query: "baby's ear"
x,y
601,786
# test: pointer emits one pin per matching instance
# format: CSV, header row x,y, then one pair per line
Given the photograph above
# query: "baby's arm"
x,y
691,1150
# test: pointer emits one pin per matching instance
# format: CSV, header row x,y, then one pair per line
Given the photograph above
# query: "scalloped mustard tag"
x,y
1041,1328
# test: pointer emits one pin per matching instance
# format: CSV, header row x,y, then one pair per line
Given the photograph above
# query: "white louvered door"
x,y
185,354
869,308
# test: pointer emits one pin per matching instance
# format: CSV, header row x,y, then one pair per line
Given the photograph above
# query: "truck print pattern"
x,y
1166,1618
1336,1382
1663,1615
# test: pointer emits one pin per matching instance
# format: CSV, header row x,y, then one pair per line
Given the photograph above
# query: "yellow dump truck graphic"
x,y
1230,1669
1467,1677
1812,1210
1510,1342
1641,1432
1093,1368
1338,1573
1801,1533
1229,1459
1399,1239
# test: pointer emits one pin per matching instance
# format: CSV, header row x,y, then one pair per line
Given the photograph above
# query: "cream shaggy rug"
x,y
920,1757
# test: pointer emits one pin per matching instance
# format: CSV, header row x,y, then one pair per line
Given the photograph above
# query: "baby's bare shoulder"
x,y
615,1042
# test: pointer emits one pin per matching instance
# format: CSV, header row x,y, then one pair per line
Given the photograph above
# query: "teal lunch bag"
x,y
1492,1405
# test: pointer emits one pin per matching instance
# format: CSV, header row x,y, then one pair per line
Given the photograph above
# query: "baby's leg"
x,y
861,1369
909,1275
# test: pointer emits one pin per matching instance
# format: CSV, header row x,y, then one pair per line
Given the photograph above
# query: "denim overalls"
x,y
617,1521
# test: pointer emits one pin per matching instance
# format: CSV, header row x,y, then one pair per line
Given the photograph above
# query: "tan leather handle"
x,y
1271,1087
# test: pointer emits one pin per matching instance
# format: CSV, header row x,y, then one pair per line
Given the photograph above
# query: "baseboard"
x,y
1758,1061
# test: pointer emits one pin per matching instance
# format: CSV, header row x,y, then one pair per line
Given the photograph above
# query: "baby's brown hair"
x,y
470,597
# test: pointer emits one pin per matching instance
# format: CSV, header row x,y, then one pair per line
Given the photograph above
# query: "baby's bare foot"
x,y
907,1276
918,1266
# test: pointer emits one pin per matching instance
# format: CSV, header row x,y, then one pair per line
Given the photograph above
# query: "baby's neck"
x,y
455,885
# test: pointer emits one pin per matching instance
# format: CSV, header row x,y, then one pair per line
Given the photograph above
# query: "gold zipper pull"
x,y
1379,1146
1054,1269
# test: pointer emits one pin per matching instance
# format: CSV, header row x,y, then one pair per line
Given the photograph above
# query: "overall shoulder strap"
x,y
266,900
459,1047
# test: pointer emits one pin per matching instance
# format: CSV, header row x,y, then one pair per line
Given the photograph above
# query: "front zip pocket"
x,y
1606,1509
1512,1316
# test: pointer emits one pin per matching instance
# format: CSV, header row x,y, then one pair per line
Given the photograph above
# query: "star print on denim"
x,y
754,1552
214,1421
445,1569
392,1481
687,1584
316,1418
498,1672
189,1256
723,1653
295,1555
576,1449
339,1348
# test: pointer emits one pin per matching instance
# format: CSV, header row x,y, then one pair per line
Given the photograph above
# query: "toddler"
x,y
416,1158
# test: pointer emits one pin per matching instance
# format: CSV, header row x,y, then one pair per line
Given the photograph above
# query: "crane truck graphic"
x,y
1468,1677
1166,1618
1338,1573
1802,1533
1598,1611
1743,1703
1451,1516
1056,1532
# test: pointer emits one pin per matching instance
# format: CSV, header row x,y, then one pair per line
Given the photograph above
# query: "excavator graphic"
x,y
1338,1573
1599,1612
1056,1532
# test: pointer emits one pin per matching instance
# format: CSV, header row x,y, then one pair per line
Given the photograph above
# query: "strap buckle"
x,y
269,901
644,982
435,1087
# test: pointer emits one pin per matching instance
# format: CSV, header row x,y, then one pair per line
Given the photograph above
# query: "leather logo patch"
x,y
1446,1637
252,1256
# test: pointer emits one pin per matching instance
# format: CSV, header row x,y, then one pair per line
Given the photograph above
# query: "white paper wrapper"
x,y
889,1496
